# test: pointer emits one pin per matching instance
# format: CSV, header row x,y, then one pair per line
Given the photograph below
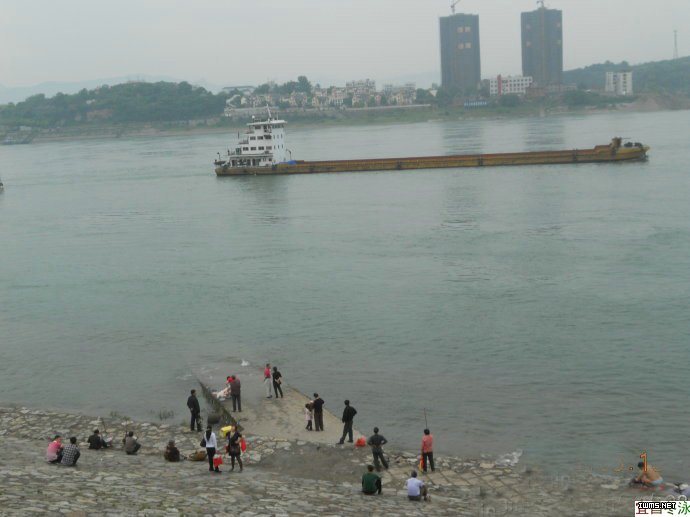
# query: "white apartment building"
x,y
362,87
620,83
510,84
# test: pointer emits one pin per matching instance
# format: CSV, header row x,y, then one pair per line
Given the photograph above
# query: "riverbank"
x,y
281,477
346,118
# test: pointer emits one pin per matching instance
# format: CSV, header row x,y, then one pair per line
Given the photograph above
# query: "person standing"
x,y
277,381
236,393
267,380
348,417
54,450
377,441
427,450
195,410
309,414
318,403
235,450
70,454
209,441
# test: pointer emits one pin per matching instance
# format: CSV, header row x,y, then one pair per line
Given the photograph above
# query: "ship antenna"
x,y
269,112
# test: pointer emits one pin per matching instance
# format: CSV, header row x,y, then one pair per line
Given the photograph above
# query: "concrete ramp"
x,y
281,418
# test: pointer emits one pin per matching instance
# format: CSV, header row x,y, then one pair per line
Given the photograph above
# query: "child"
x,y
308,414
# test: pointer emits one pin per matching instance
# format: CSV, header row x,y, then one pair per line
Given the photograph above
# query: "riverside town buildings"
x,y
355,94
542,46
460,57
517,85
620,83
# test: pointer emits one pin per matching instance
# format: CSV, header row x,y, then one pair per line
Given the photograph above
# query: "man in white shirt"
x,y
415,488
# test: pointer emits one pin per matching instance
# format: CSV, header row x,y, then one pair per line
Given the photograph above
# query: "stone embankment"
x,y
281,477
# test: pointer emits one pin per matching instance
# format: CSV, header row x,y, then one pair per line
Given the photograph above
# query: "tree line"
x,y
670,76
122,103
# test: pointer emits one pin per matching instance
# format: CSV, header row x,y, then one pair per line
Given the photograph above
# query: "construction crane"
x,y
453,4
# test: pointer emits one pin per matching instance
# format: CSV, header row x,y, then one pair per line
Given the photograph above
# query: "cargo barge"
x,y
263,151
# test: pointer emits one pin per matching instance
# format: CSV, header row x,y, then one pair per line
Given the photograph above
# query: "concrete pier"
x,y
282,418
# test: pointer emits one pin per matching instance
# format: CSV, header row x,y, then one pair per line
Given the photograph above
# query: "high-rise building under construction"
x,y
460,61
542,46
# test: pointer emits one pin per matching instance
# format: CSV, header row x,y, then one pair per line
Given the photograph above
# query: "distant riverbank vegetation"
x,y
122,103
167,106
657,77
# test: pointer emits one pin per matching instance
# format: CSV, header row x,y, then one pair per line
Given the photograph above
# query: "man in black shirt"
x,y
96,441
318,412
377,442
348,416
195,410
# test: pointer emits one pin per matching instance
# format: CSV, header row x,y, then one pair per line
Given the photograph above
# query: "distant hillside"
x,y
130,102
20,93
671,76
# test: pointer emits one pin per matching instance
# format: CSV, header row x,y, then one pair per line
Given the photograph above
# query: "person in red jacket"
x,y
268,380
427,450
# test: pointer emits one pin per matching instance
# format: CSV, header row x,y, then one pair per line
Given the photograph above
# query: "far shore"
x,y
362,117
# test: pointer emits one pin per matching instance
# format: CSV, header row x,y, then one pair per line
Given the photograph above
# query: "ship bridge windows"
x,y
267,137
261,148
252,138
253,149
259,137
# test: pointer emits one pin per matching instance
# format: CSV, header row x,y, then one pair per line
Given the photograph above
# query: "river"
x,y
539,308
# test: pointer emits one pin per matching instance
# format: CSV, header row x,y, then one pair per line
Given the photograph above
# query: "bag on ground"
x,y
197,456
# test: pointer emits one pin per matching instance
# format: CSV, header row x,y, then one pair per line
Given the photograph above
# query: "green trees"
x,y
670,76
444,97
509,101
423,96
302,85
129,102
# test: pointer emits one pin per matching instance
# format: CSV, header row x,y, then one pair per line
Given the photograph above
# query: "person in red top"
x,y
427,450
268,380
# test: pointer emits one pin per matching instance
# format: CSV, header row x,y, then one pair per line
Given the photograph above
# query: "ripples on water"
x,y
535,308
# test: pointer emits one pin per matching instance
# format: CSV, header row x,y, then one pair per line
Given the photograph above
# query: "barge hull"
x,y
598,154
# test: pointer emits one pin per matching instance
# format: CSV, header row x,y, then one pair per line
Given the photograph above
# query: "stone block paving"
x,y
281,477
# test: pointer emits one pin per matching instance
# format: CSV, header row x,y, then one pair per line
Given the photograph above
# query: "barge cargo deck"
x,y
263,151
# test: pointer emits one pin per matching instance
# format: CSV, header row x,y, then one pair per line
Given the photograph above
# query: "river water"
x,y
535,308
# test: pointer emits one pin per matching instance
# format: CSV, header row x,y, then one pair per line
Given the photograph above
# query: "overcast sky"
x,y
250,41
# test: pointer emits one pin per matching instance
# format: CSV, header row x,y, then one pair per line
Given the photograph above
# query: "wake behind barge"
x,y
263,151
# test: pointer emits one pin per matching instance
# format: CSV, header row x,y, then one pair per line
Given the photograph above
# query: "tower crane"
x,y
453,4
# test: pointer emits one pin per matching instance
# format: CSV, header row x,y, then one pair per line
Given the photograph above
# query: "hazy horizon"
x,y
229,42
